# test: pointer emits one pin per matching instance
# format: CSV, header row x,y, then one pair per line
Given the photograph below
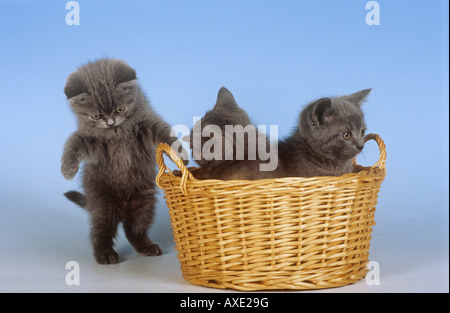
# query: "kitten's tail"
x,y
77,198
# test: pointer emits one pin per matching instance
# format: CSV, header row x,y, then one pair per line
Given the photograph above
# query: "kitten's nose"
x,y
110,122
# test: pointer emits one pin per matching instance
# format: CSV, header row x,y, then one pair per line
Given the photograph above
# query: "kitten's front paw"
x,y
109,257
150,250
69,170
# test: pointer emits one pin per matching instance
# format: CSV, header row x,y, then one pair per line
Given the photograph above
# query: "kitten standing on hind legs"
x,y
116,138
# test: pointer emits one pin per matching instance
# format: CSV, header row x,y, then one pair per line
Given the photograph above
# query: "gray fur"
x,y
317,146
227,112
116,138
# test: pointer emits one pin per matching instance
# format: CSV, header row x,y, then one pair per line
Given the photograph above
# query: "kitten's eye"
x,y
347,135
121,110
96,116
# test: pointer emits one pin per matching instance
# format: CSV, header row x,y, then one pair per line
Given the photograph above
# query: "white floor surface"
x,y
38,240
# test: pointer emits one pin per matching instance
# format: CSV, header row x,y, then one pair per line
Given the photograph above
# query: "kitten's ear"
x,y
74,86
225,99
127,91
323,111
359,97
123,72
78,100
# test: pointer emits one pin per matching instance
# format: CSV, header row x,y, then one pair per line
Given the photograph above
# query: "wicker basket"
x,y
284,233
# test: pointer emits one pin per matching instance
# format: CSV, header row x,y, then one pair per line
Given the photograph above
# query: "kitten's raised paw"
x,y
104,258
69,170
150,250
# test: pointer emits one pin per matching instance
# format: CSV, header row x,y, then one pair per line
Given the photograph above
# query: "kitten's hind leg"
x,y
138,221
103,232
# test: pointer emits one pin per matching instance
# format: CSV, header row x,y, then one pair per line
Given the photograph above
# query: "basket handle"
x,y
185,174
381,163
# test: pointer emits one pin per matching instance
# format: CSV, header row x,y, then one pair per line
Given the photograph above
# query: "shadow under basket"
x,y
272,234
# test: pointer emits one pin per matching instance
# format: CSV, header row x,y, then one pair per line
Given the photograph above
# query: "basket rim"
x,y
187,176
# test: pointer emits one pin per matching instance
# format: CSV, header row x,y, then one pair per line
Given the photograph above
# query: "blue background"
x,y
275,56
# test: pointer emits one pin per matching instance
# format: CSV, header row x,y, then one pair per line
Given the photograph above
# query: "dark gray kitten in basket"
x,y
228,157
329,134
116,138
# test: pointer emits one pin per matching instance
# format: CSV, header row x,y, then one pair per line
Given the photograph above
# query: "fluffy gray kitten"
x,y
116,138
329,134
226,112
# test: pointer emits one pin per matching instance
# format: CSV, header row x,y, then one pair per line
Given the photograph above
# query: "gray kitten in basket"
x,y
233,155
116,138
329,134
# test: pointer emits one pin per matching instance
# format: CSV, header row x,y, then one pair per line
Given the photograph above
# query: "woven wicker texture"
x,y
285,233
